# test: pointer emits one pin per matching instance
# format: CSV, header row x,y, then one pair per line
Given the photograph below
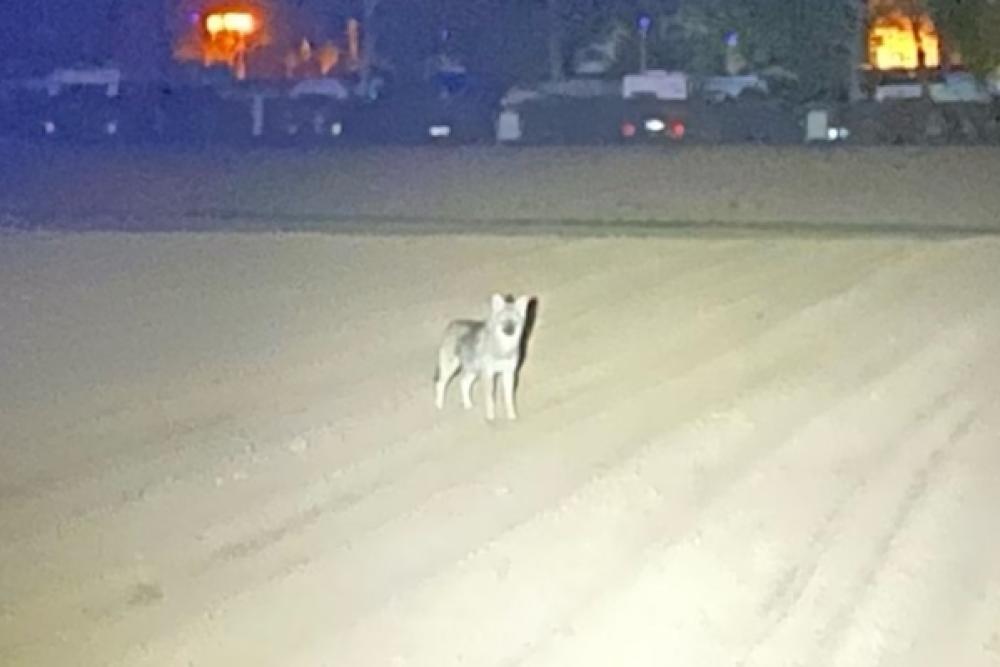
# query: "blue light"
x,y
731,38
645,22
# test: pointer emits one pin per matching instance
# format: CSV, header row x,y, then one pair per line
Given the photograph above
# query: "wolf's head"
x,y
507,318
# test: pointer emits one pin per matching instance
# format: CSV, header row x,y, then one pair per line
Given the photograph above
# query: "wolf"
x,y
484,349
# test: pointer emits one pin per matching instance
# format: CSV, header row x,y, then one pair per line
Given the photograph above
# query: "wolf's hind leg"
x,y
468,379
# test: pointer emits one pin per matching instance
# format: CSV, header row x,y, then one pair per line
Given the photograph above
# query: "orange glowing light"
x,y
893,42
241,23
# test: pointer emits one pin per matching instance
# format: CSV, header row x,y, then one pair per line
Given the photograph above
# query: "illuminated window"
x,y
892,43
242,23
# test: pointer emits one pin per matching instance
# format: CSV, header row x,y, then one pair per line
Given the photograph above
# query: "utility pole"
x,y
368,43
857,48
555,42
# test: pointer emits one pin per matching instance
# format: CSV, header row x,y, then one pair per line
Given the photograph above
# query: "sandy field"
x,y
220,448
866,189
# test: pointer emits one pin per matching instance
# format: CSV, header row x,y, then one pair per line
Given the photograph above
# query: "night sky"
x,y
37,35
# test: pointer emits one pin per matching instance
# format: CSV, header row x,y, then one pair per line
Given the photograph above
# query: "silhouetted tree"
x,y
973,27
813,40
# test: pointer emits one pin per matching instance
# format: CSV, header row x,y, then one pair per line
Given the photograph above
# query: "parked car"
x,y
654,121
313,110
959,87
81,113
901,85
723,88
659,84
80,104
420,114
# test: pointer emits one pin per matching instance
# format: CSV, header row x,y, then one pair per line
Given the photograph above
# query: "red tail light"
x,y
628,129
677,129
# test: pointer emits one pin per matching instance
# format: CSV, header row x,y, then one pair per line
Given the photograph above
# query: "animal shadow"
x,y
530,318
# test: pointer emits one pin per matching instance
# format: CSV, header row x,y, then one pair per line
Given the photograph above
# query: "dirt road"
x,y
222,450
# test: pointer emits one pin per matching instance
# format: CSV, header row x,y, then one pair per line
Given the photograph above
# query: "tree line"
x,y
817,44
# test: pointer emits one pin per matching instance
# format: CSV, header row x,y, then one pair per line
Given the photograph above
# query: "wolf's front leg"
x,y
489,388
508,393
467,381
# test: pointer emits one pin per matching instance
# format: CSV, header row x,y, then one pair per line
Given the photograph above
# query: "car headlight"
x,y
336,129
49,127
655,125
439,131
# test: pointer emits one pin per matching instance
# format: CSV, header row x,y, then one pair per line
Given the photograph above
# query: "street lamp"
x,y
644,24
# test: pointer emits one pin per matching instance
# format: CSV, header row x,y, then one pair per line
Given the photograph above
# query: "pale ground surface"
x,y
220,449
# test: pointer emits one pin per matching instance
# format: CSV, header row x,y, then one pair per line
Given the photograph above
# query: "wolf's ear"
x,y
497,302
521,303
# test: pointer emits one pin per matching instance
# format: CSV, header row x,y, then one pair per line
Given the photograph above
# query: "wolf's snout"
x,y
509,329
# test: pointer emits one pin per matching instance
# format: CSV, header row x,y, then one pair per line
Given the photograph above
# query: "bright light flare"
x,y
892,43
241,23
837,133
655,125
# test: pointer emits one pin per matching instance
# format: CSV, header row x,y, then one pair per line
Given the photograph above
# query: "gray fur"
x,y
483,349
